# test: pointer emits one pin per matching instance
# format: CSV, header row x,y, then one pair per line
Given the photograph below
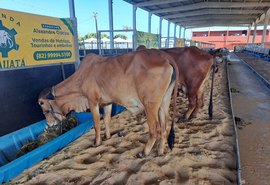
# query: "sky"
x,y
84,10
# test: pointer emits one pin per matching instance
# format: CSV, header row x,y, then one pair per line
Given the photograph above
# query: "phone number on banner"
x,y
52,55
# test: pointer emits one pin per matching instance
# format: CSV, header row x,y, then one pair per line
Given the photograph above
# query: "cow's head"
x,y
219,59
50,109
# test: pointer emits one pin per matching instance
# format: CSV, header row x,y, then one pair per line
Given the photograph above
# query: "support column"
x,y
160,31
267,37
134,28
226,37
248,33
254,33
264,30
174,44
168,35
75,31
180,32
110,5
149,22
184,35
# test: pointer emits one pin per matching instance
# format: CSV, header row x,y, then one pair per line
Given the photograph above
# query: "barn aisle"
x,y
251,105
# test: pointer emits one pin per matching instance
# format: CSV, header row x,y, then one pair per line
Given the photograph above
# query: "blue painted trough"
x,y
11,143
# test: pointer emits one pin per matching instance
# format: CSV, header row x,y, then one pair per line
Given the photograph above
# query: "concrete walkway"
x,y
251,105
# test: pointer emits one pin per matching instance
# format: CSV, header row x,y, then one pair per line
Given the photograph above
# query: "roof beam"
x,y
210,17
189,23
211,25
214,23
203,5
212,11
157,2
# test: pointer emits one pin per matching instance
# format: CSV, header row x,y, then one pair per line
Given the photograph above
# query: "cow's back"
x,y
193,63
152,70
174,52
130,77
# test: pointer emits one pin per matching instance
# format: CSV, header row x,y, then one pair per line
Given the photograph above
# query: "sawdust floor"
x,y
204,152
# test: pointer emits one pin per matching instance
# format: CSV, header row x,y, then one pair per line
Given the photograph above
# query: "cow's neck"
x,y
68,95
68,86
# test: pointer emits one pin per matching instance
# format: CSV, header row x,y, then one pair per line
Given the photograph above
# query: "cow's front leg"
x,y
107,119
95,113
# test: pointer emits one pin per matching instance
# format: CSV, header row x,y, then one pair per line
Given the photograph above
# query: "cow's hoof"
x,y
121,133
161,153
96,145
107,137
140,155
182,120
192,116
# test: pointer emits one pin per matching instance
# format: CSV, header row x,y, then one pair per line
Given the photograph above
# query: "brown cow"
x,y
194,67
141,80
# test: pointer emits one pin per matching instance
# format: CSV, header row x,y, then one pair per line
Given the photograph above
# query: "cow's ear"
x,y
50,96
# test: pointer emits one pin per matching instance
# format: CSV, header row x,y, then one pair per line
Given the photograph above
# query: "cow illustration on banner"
x,y
7,40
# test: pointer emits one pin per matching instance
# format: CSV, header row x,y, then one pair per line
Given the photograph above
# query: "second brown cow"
x,y
194,67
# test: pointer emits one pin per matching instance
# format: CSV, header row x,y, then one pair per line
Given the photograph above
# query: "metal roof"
x,y
207,13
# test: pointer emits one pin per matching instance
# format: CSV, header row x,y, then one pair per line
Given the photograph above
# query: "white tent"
x,y
105,39
91,40
129,40
118,39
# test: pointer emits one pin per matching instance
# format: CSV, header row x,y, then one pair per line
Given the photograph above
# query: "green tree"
x,y
103,35
122,36
81,38
92,35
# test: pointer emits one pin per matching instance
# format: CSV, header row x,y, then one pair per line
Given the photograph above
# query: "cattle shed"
x,y
208,13
21,86
203,13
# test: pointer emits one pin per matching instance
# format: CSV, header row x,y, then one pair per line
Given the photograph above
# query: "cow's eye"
x,y
40,103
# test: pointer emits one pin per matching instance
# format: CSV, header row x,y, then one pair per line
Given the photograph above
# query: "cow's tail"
x,y
175,78
210,108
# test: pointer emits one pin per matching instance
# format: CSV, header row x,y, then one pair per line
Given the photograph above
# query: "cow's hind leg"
x,y
192,104
95,113
164,118
152,109
199,103
199,99
107,119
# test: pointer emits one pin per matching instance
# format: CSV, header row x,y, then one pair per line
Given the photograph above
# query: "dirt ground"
x,y
204,152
